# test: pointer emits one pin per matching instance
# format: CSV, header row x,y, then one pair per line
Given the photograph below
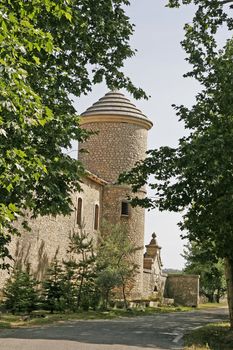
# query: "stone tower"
x,y
120,141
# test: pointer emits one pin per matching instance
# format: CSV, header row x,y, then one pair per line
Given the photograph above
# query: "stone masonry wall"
x,y
113,195
49,234
150,280
114,149
91,195
184,289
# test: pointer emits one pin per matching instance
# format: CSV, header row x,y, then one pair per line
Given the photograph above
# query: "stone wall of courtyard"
x,y
184,289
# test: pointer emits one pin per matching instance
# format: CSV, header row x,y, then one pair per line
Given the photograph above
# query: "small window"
x,y
79,212
96,218
125,208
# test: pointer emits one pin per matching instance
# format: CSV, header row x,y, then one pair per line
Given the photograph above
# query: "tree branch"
x,y
225,1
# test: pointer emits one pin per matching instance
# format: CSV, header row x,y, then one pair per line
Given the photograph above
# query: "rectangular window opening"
x,y
79,212
96,218
125,208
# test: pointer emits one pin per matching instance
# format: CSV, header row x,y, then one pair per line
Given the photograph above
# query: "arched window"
x,y
124,208
96,217
79,212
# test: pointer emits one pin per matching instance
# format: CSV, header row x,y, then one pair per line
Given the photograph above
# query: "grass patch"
x,y
212,305
4,325
216,336
44,318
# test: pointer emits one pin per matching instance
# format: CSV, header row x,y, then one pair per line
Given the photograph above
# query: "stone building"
x,y
153,278
119,142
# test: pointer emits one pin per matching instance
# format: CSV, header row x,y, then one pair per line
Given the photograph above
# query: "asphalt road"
x,y
160,331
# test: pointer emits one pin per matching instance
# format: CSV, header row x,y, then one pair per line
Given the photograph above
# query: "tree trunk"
x,y
123,292
229,280
210,297
80,292
218,296
106,299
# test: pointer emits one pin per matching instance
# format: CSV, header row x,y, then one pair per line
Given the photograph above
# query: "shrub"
x,y
20,292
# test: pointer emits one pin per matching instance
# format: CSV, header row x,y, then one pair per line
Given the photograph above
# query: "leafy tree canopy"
x,y
83,264
49,51
199,260
116,267
20,292
196,178
197,175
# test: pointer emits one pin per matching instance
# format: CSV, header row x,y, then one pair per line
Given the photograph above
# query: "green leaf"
x,y
49,46
68,16
36,59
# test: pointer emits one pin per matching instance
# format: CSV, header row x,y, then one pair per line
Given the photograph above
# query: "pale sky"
x,y
158,68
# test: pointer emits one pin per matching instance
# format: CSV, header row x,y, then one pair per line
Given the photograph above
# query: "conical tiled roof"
x,y
114,103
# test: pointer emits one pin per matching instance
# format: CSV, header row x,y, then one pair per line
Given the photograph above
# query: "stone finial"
x,y
114,89
152,248
153,241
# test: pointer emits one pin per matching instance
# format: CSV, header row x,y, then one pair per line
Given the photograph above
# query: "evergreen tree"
x,y
83,265
53,287
69,285
20,292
